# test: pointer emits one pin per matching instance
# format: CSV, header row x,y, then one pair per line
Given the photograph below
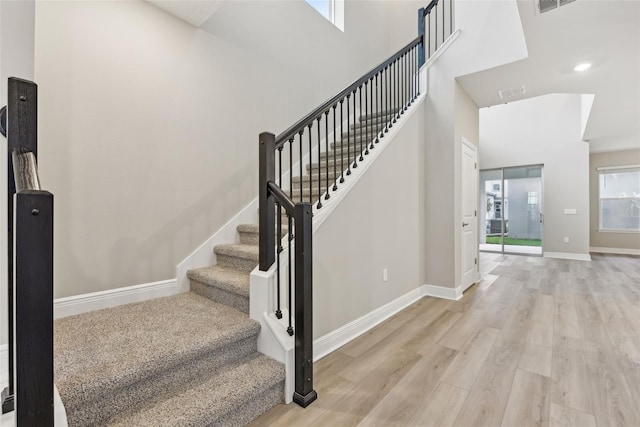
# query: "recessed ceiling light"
x,y
582,67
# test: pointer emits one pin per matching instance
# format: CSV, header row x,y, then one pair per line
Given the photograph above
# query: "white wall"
x,y
545,130
380,224
491,35
17,20
149,126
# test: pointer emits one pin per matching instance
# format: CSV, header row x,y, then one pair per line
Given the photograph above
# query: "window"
x,y
532,198
619,192
333,10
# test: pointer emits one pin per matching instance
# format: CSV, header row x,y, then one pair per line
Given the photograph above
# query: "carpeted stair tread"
x,y
216,401
238,250
99,352
227,279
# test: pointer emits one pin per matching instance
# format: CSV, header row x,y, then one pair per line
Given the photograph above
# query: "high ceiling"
x,y
605,33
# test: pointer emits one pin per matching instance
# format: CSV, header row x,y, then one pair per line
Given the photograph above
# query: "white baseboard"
x,y
339,337
619,251
453,294
567,255
63,307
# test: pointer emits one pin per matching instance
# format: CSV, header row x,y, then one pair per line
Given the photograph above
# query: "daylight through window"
x,y
619,193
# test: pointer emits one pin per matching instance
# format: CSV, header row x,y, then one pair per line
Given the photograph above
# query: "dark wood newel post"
x,y
304,393
22,132
34,308
267,222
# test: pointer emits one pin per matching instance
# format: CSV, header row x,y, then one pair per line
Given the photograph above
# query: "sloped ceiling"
x,y
195,12
605,33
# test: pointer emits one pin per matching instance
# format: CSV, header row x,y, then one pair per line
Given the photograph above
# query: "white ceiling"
x,y
605,33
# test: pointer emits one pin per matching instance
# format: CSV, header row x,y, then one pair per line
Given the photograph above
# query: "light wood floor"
x,y
539,342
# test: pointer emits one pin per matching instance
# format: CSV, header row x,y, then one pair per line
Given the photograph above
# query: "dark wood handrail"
x,y
282,198
300,124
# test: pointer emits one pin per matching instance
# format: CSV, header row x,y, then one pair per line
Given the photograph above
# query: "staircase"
x,y
189,359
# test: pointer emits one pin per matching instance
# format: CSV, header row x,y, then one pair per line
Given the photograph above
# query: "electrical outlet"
x,y
566,240
385,276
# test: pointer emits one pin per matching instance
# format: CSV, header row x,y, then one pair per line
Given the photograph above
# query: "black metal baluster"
x,y
278,235
376,110
355,136
279,241
291,168
370,128
361,110
348,138
319,205
450,17
388,123
290,230
443,22
310,166
301,176
363,123
326,145
335,148
403,85
435,32
395,90
342,142
428,35
416,66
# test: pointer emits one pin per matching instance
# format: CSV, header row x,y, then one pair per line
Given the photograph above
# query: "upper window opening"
x,y
333,10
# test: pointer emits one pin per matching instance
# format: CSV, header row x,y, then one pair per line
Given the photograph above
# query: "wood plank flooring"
x,y
538,342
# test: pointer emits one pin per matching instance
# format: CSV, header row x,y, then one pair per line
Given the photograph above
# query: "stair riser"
x,y
252,408
306,178
237,263
254,238
378,115
221,296
97,409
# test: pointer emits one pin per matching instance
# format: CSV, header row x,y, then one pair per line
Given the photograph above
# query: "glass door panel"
x,y
491,210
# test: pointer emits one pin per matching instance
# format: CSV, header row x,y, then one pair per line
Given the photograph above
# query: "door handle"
x,y
541,218
464,224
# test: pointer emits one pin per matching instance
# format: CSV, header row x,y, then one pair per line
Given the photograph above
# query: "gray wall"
x,y
450,114
609,239
379,225
149,127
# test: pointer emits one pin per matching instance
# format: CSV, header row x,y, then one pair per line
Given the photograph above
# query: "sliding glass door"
x,y
511,210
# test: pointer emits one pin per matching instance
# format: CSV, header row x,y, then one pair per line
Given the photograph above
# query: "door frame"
x,y
502,169
477,278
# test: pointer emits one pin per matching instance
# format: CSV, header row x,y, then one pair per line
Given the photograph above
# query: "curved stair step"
x,y
108,361
234,397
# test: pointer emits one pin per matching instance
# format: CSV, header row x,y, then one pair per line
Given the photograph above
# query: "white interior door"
x,y
469,226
